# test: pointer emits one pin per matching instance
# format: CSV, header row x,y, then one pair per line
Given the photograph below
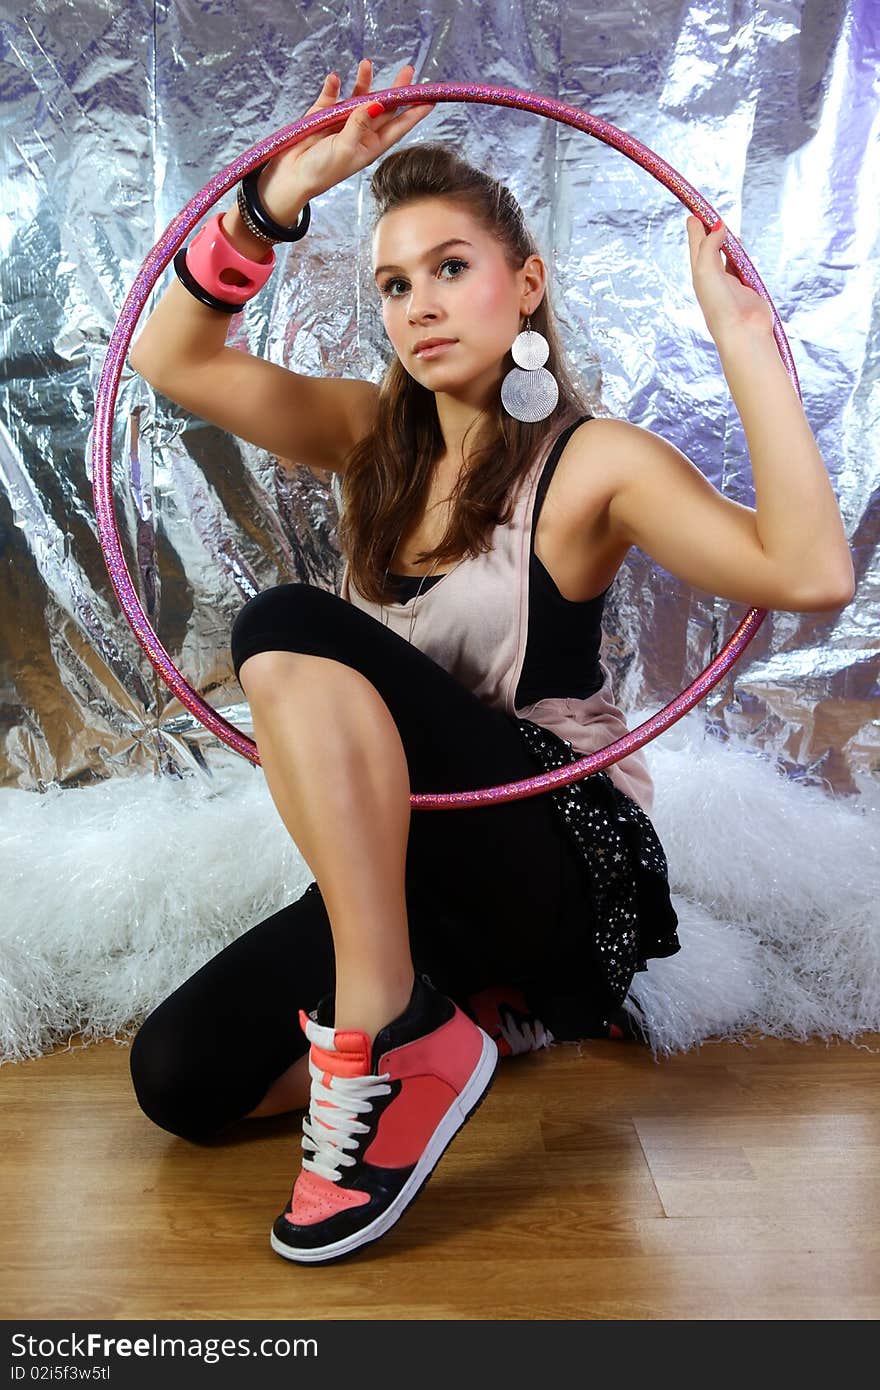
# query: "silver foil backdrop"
x,y
115,114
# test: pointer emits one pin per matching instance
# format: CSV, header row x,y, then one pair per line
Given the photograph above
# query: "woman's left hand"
x,y
727,303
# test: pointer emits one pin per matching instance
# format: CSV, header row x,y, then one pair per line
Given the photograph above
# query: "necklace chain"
x,y
414,600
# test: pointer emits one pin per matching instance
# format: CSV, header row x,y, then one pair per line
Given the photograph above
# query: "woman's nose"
x,y
421,302
420,308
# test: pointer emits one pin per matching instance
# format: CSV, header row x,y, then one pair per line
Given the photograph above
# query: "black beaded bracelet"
x,y
266,224
189,282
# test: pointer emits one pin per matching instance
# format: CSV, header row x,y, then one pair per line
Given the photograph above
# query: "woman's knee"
x,y
287,617
171,1089
267,675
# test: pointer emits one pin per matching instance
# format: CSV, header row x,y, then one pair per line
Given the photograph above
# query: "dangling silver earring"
x,y
530,394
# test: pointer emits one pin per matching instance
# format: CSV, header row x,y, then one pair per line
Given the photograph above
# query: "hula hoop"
x,y
160,256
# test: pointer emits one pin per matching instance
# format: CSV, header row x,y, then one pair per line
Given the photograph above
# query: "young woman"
x,y
481,536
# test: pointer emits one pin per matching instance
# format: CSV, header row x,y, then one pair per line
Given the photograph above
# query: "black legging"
x,y
495,894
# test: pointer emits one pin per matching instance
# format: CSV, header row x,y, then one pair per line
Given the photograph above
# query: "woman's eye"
x,y
397,280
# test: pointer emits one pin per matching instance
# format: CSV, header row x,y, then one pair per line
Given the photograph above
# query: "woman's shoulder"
x,y
563,429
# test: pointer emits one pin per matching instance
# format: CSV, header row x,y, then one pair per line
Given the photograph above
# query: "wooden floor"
x,y
730,1182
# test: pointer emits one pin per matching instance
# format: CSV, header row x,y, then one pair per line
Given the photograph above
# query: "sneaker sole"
x,y
458,1114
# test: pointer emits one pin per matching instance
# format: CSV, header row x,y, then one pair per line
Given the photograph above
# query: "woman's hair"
x,y
387,475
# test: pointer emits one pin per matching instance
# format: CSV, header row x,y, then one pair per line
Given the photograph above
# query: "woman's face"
x,y
463,290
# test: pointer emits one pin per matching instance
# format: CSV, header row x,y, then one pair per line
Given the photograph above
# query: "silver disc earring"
x,y
531,393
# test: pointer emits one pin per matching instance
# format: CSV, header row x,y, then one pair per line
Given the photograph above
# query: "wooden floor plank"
x,y
596,1182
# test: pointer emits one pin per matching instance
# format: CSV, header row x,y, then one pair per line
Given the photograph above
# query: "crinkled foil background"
x,y
115,114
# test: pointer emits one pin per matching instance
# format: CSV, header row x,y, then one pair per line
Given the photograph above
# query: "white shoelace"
x,y
523,1037
337,1128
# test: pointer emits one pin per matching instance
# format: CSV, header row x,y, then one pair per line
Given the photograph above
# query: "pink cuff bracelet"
x,y
210,253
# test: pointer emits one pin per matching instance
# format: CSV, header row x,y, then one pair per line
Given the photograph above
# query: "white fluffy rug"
x,y
114,894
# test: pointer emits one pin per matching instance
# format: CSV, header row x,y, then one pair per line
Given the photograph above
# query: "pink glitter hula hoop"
x,y
160,256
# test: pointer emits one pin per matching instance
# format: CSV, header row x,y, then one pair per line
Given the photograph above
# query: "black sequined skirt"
x,y
624,916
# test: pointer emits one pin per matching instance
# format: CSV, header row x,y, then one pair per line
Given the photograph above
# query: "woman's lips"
x,y
433,351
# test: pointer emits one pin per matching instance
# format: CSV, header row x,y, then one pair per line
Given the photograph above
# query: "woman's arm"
x,y
790,551
796,513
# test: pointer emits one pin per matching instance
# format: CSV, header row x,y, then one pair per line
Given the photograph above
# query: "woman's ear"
x,y
534,278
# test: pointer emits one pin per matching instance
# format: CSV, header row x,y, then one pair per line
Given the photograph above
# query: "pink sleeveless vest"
x,y
474,623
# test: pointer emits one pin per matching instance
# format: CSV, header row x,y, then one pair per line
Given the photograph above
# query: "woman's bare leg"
x,y
337,772
289,1091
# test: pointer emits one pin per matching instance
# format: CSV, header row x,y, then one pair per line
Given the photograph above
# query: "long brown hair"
x,y
387,475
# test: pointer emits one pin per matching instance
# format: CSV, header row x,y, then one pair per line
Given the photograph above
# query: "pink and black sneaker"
x,y
379,1120
502,1012
628,1026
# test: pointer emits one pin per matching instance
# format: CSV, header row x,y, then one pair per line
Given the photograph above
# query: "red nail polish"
x,y
715,226
375,108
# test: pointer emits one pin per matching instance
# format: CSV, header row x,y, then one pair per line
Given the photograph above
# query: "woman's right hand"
x,y
321,161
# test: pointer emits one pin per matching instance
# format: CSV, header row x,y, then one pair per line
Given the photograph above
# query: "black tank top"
x,y
564,636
